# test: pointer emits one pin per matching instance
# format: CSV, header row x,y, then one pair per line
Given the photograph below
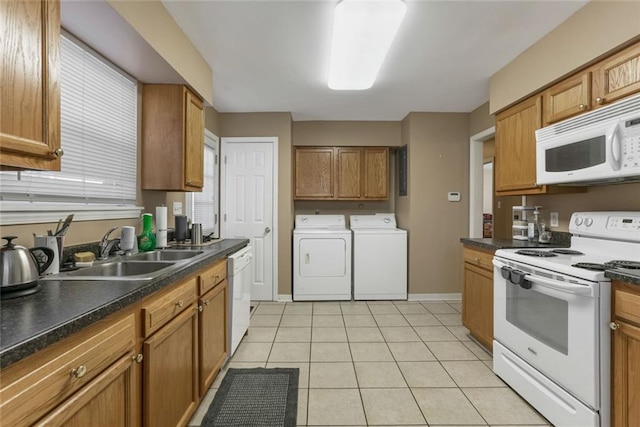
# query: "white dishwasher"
x,y
239,272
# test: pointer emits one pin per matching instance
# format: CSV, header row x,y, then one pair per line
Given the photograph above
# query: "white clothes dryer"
x,y
379,258
321,258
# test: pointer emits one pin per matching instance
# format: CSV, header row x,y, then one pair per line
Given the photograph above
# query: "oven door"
x,y
553,326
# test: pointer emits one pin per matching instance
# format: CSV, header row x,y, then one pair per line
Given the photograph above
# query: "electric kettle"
x,y
19,268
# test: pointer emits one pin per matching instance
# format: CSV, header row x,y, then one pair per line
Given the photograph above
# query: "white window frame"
x,y
213,141
15,212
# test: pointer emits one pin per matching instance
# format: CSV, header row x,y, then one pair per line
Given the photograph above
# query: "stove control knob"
x,y
578,221
588,222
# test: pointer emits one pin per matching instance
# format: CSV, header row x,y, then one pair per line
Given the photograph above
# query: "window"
x,y
203,207
98,109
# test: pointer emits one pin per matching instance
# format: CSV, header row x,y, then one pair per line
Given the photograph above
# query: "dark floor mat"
x,y
255,397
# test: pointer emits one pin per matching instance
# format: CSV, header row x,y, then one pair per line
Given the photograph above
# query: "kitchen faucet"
x,y
106,245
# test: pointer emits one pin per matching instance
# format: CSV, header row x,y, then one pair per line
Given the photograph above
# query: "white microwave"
x,y
602,146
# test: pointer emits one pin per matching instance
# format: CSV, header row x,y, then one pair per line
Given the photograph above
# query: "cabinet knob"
x,y
180,303
58,152
189,182
216,278
582,106
137,358
79,371
477,259
200,308
206,302
599,101
614,326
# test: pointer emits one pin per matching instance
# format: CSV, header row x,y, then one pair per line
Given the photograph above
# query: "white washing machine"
x,y
321,258
379,258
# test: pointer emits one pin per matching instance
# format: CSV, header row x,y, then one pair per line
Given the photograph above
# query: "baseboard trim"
x,y
284,298
435,297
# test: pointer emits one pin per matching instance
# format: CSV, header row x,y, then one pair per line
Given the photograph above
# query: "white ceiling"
x,y
273,55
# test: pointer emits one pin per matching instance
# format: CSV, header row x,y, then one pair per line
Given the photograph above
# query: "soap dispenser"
x,y
533,227
147,238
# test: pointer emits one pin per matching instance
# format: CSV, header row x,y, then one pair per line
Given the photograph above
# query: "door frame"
x,y
476,162
274,206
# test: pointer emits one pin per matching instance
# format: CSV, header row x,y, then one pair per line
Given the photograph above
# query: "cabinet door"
x,y
170,372
212,322
477,303
376,173
194,142
617,76
349,173
516,145
106,401
29,77
314,173
568,98
625,395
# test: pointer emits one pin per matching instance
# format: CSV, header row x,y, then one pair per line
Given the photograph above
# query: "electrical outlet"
x,y
177,208
553,222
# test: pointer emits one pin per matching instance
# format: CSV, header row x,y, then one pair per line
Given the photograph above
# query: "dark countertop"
x,y
625,275
30,323
559,240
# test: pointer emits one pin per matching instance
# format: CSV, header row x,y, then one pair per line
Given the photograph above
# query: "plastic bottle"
x,y
147,238
533,227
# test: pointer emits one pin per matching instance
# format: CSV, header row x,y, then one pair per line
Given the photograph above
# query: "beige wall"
x,y
272,124
595,29
480,119
438,163
154,23
346,133
212,120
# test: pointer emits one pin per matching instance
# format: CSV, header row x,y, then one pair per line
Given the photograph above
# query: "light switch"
x,y
177,208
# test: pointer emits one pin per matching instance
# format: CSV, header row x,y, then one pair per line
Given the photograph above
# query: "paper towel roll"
x,y
161,226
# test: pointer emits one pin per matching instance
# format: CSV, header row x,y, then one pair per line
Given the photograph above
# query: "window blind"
x,y
203,203
98,109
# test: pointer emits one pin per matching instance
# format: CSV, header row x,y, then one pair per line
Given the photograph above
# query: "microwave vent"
x,y
614,111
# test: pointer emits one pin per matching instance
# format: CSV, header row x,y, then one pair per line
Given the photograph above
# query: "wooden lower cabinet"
x,y
212,331
170,391
625,355
477,295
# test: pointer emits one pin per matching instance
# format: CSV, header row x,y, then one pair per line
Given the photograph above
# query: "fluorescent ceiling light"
x,y
363,31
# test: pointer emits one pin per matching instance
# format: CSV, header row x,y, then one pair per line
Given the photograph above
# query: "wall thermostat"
x,y
453,196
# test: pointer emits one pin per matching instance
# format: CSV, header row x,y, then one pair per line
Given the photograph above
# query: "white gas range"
x,y
552,309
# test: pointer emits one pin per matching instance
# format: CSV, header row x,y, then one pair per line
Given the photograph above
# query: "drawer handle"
x,y
137,358
614,326
180,303
79,371
599,101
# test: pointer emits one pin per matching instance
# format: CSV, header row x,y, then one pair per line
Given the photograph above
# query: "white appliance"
x,y
379,258
239,271
596,147
321,258
552,309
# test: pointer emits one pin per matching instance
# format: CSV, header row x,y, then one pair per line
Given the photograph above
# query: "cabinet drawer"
x,y
481,259
627,305
212,276
33,388
159,311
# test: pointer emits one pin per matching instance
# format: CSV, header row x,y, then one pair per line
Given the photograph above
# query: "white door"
x,y
248,207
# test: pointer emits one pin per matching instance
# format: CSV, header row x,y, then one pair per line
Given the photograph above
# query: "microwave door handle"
x,y
614,142
560,286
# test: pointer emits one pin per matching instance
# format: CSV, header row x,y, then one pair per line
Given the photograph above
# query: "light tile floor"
x,y
379,363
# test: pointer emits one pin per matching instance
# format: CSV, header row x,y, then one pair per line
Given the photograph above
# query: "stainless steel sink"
x,y
165,255
118,270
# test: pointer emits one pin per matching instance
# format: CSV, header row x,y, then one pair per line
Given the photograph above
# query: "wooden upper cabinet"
x,y
567,98
172,139
516,146
341,173
314,173
617,76
349,173
376,173
30,81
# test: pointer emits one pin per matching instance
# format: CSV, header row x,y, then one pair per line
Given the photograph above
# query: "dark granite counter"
x,y
558,240
30,323
625,275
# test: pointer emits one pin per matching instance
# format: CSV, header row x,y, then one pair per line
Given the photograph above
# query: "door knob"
x,y
267,230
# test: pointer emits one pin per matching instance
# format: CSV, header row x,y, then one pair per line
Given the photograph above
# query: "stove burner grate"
x,y
529,252
590,266
633,265
566,252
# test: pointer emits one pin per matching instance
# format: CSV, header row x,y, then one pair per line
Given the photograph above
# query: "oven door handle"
x,y
560,286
